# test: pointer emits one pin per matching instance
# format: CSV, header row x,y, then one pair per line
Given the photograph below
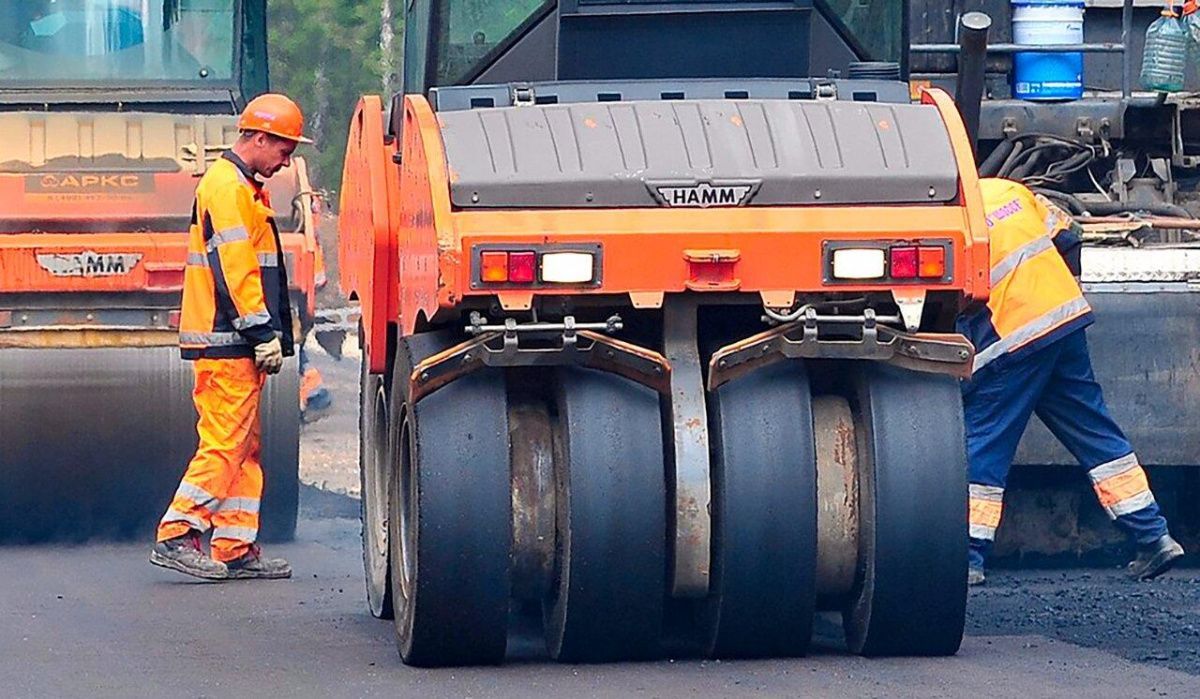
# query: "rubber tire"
x,y
764,474
610,570
373,472
454,446
912,592
281,454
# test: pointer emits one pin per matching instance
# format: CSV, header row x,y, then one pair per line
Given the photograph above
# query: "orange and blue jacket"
x,y
235,289
1035,297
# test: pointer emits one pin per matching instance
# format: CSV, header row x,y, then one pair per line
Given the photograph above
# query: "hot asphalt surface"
x,y
99,621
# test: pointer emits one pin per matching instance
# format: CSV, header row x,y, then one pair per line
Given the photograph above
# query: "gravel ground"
x,y
1156,622
329,446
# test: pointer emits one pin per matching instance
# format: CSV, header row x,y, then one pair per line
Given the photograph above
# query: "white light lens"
x,y
858,263
567,267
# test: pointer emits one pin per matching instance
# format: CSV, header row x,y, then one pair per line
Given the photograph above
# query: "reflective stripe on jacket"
x,y
1035,298
235,290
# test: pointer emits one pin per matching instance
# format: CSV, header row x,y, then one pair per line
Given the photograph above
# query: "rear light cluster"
x,y
888,262
537,267
517,267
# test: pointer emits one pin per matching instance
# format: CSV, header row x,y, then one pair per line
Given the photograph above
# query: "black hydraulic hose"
x,y
1068,201
1029,162
1157,208
1018,148
1078,207
990,166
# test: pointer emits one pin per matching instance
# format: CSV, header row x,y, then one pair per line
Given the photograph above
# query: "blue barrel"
x,y
1047,76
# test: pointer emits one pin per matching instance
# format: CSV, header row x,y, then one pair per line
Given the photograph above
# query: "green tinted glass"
x,y
875,26
470,29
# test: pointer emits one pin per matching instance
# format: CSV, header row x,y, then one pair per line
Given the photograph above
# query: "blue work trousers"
x,y
1057,383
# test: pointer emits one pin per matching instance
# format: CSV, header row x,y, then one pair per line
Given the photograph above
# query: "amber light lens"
x,y
494,266
932,262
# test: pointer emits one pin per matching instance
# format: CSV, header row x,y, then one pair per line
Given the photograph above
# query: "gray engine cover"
x,y
620,154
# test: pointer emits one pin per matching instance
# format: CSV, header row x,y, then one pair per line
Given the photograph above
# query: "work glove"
x,y
268,356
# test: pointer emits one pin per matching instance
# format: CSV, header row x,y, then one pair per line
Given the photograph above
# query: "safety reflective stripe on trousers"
x,y
1013,259
1031,331
227,236
986,506
212,339
1121,486
246,534
248,321
194,522
196,494
247,505
268,259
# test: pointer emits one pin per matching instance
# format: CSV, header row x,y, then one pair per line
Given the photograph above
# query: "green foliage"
x,y
325,54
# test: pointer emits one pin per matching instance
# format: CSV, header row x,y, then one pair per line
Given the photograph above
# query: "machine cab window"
x,y
79,42
457,42
469,30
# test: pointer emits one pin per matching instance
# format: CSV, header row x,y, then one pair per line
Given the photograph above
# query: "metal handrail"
x,y
1121,48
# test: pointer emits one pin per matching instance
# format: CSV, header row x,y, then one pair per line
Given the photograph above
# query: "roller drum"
x,y
93,442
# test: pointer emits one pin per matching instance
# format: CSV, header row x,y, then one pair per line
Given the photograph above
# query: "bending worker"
x,y
236,325
1032,357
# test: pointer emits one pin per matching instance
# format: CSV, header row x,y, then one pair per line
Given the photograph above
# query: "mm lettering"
x,y
89,263
705,194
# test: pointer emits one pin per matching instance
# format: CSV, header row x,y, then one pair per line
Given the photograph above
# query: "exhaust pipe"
x,y
972,56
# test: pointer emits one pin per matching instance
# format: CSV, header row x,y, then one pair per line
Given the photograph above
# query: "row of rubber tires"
x,y
437,516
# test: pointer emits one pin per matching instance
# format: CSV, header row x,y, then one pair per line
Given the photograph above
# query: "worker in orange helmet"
x,y
236,325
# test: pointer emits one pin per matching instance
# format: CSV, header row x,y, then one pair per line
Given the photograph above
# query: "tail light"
x,y
522,267
858,263
931,262
903,262
494,267
568,267
546,266
883,261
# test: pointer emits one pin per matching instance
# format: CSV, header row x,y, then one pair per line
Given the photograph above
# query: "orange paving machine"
x,y
658,335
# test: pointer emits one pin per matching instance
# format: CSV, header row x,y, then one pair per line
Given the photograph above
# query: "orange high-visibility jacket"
x,y
1035,298
235,290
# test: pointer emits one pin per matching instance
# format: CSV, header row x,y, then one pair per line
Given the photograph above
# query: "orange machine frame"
x,y
404,249
162,253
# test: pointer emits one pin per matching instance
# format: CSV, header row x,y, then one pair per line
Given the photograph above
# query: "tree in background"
x,y
325,54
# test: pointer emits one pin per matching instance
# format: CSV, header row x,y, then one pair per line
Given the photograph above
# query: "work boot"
x,y
252,565
975,576
1155,559
183,554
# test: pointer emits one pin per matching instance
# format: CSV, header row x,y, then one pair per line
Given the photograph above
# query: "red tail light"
x,y
522,267
903,263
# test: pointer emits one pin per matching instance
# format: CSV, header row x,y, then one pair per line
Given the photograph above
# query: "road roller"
x,y
109,114
658,332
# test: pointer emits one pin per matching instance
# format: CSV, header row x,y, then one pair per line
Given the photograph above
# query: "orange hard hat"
x,y
274,114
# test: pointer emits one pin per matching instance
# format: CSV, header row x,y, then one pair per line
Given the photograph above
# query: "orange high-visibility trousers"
x,y
223,484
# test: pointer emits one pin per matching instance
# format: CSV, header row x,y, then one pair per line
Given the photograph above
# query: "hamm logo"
x,y
89,264
702,195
